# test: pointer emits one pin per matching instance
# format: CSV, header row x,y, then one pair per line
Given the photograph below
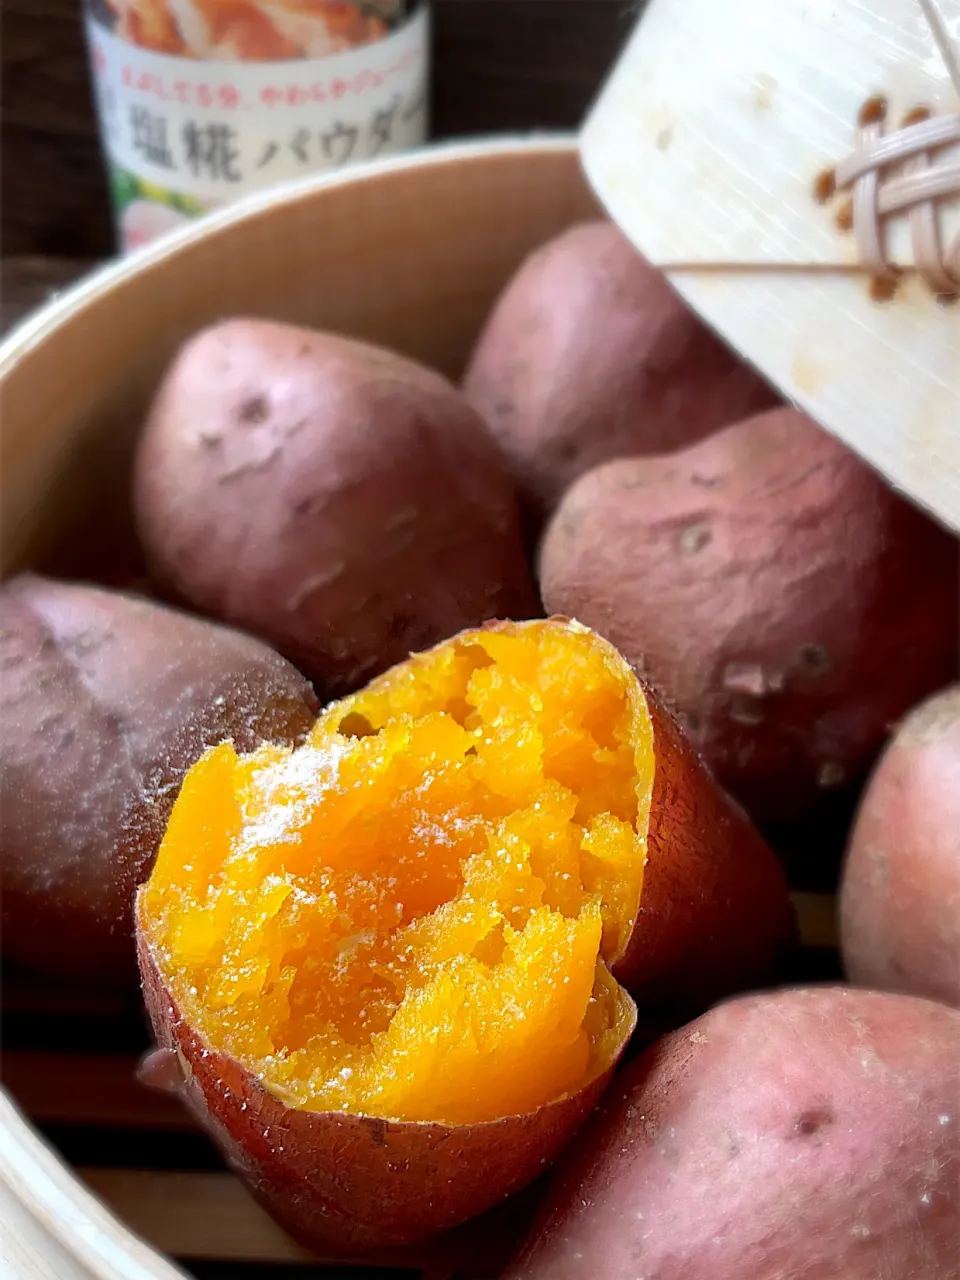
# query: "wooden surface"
x,y
29,280
498,65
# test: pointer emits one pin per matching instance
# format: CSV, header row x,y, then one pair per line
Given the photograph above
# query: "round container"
x,y
409,252
202,101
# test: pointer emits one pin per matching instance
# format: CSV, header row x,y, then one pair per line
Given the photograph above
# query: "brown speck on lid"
x,y
884,288
916,116
844,218
824,186
873,111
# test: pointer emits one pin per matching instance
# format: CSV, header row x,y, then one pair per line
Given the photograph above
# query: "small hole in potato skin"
x,y
691,722
814,659
694,538
254,410
809,1123
747,710
378,1131
830,774
398,624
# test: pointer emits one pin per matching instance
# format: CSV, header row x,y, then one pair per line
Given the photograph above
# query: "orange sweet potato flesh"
x,y
390,961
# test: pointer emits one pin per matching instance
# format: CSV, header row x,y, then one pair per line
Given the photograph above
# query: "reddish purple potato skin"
x,y
589,355
787,604
808,1134
342,502
900,893
105,702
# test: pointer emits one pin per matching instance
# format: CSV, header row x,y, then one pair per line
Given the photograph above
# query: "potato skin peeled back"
x,y
403,941
340,501
105,702
900,893
806,1133
786,602
589,355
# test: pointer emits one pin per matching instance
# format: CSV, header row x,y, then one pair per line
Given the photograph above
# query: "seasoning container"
x,y
202,101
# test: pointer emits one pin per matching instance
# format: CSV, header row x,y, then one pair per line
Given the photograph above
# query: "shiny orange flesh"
x,y
413,915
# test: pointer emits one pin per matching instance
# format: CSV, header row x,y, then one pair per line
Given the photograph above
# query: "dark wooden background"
x,y
498,65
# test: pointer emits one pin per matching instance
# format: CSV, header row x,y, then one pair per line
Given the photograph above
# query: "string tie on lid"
x,y
920,180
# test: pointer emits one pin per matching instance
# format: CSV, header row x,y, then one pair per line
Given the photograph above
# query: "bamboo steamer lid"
x,y
794,168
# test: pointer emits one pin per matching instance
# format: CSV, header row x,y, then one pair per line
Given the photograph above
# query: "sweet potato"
x,y
807,1133
105,702
589,355
900,895
393,962
781,597
340,501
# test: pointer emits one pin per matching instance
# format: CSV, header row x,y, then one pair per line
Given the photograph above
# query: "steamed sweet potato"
x,y
807,1133
105,702
394,963
900,897
781,597
338,500
589,355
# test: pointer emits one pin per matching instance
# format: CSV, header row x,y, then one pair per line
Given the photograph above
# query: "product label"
x,y
202,101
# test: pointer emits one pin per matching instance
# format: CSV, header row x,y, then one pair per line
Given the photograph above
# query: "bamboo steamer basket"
x,y
410,253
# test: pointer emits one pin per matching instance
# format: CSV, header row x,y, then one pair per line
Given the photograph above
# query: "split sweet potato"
x,y
395,962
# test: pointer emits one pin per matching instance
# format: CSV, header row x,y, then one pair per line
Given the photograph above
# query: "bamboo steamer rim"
x,y
55,1227
56,380
46,319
